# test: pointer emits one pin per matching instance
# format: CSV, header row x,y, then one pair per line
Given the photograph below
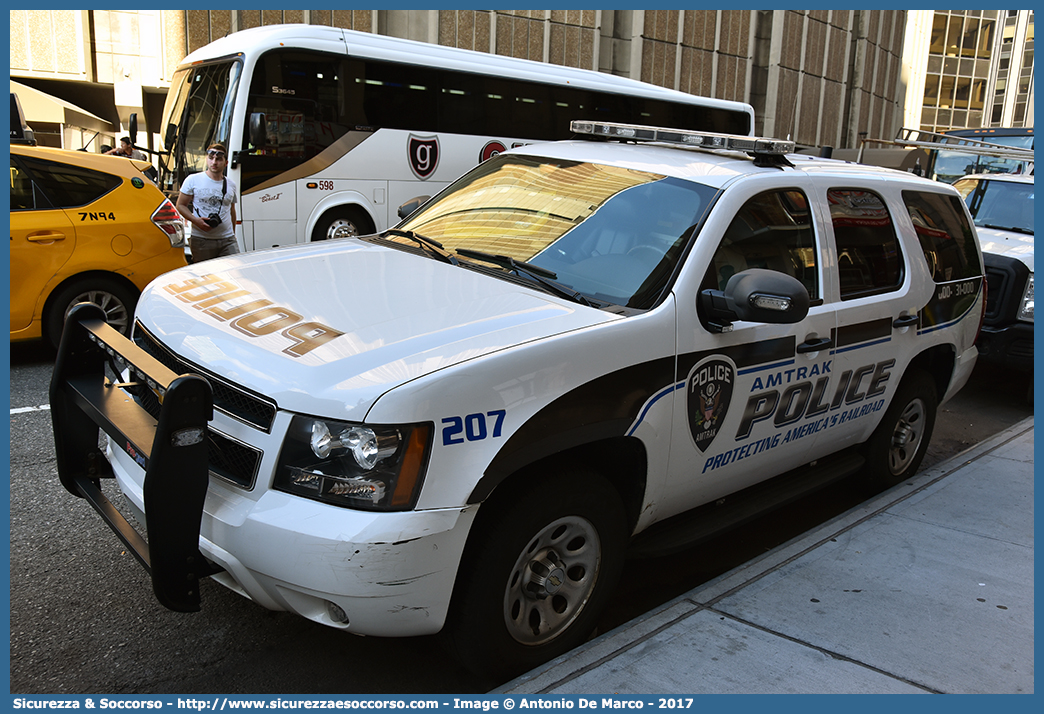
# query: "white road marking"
x,y
24,410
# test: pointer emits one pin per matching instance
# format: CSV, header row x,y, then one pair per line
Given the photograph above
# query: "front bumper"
x,y
389,574
1007,346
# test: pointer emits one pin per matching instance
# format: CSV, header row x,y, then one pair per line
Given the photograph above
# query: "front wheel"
x,y
342,222
539,568
896,448
114,298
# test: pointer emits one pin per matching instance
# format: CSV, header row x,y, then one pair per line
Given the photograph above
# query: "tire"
x,y
342,222
895,450
537,572
117,300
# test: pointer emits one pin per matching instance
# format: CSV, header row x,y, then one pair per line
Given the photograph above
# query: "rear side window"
x,y
868,257
946,236
68,186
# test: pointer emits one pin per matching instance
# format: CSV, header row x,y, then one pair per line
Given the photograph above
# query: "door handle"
x,y
817,345
48,237
905,321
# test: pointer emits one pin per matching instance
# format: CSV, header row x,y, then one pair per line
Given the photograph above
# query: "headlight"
x,y
1026,310
377,468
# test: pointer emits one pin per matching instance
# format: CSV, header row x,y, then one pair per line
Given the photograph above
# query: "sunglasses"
x,y
216,154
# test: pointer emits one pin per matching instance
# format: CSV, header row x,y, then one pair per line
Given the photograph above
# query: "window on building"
x,y
938,39
931,90
953,36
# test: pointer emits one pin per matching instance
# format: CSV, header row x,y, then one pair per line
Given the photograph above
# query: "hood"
x,y
327,329
1009,244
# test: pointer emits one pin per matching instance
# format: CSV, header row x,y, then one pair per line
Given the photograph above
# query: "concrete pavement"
x,y
927,587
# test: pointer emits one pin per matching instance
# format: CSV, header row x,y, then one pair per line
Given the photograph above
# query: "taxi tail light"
x,y
168,220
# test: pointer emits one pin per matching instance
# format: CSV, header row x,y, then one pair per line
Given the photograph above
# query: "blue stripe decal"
x,y
865,344
764,368
652,401
943,326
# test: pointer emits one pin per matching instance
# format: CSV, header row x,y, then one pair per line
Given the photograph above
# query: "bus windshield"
x,y
198,112
951,165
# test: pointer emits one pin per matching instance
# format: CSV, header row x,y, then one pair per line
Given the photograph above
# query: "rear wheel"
x,y
342,222
538,571
114,298
899,443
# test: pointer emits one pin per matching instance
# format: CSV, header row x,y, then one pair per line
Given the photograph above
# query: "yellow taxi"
x,y
84,227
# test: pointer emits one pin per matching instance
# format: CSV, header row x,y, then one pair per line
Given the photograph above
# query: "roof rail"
x,y
931,140
766,152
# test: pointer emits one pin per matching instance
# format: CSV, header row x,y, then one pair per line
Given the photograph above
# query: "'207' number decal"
x,y
473,427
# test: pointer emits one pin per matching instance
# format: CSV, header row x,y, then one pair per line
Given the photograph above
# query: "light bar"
x,y
684,137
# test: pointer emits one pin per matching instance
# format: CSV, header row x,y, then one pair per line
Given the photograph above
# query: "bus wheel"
x,y
537,573
342,223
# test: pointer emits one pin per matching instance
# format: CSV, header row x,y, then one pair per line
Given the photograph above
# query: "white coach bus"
x,y
329,130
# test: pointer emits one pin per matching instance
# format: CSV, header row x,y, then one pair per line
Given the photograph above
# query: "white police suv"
x,y
464,422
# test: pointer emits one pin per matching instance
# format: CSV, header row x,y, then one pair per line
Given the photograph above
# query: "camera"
x,y
213,220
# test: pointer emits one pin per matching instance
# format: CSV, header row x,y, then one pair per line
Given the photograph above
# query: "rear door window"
x,y
69,186
868,257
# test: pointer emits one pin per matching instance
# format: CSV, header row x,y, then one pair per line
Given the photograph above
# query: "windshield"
x,y
951,165
1007,205
612,234
198,112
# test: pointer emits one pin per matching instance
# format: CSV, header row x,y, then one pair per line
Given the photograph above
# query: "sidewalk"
x,y
927,587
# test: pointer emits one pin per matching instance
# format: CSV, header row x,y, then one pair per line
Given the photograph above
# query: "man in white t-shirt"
x,y
208,202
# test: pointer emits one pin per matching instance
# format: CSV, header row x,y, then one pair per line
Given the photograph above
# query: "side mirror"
x,y
20,131
258,130
170,136
412,205
754,295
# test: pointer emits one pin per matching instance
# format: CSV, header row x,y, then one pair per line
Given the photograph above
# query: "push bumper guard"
x,y
171,449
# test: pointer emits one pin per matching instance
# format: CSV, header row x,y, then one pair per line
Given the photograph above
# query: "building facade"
x,y
970,69
822,77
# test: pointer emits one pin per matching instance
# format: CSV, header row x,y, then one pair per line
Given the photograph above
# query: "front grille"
x,y
228,458
1006,281
234,401
232,460
997,288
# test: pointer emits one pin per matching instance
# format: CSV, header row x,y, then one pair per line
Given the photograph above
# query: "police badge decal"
x,y
710,392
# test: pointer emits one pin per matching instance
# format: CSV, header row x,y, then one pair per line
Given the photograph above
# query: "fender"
x,y
338,199
600,409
